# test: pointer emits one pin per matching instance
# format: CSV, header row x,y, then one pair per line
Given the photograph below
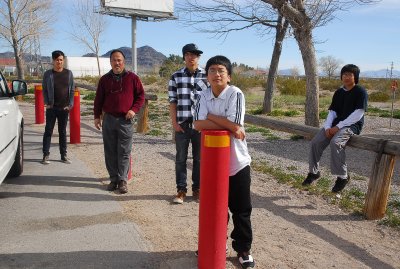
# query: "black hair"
x,y
219,60
116,50
351,68
57,53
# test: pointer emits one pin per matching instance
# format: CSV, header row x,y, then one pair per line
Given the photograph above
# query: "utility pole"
x,y
393,88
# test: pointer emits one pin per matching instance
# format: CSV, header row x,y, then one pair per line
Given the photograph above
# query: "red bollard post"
x,y
75,120
130,169
214,178
39,105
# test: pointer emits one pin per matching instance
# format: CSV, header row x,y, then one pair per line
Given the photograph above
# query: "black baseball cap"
x,y
191,48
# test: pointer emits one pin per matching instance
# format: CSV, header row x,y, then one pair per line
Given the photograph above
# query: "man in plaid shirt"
x,y
183,88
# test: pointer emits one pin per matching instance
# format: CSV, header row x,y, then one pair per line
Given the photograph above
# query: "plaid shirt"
x,y
183,88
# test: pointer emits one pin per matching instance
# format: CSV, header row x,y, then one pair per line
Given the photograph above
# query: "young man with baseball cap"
x,y
183,88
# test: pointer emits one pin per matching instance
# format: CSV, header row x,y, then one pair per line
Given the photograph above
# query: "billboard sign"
x,y
140,8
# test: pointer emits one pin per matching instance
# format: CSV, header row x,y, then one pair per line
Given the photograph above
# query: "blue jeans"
x,y
61,115
182,141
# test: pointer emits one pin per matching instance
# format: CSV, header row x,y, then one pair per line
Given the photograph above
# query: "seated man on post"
x,y
345,118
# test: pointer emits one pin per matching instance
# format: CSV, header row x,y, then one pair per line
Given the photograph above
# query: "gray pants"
x,y
117,139
338,155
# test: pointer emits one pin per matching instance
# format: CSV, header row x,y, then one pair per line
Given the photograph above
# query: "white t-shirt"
x,y
230,104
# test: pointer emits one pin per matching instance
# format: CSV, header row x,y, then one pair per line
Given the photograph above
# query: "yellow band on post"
x,y
212,141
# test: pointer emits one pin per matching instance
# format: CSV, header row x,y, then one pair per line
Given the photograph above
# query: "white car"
x,y
11,129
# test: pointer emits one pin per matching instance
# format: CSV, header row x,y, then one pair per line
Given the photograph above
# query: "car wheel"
x,y
18,166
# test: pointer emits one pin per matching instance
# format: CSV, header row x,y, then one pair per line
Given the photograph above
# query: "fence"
x,y
382,170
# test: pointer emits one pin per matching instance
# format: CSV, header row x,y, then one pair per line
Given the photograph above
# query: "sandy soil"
x,y
292,229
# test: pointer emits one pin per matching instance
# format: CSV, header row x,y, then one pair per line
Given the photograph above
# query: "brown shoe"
x,y
196,195
112,186
123,186
180,196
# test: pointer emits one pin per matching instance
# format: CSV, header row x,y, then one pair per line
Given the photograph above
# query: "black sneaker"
x,y
246,260
340,184
112,186
45,159
65,159
311,178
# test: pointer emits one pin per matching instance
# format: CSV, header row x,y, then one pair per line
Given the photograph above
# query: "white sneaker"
x,y
246,260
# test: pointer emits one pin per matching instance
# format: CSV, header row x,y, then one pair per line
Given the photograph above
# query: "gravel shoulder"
x,y
292,229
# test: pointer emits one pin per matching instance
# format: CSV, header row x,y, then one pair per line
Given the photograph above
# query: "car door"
x,y
8,128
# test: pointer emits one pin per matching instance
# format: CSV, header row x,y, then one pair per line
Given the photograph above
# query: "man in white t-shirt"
x,y
222,106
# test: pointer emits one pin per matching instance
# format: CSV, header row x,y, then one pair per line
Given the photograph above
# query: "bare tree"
x,y
281,29
302,15
329,65
22,20
228,16
88,27
295,72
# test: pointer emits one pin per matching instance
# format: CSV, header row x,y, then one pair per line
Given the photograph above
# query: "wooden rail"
x,y
382,170
143,115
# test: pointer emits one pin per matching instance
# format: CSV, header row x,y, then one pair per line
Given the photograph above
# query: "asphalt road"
x,y
60,216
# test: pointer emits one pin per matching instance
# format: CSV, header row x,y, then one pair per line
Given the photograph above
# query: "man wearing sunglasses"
x,y
119,97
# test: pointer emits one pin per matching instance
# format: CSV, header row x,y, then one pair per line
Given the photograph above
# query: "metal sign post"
x,y
134,54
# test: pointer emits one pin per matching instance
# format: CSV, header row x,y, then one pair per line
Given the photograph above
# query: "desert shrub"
x,y
148,80
287,113
245,82
256,111
378,97
323,114
329,84
94,80
292,86
89,95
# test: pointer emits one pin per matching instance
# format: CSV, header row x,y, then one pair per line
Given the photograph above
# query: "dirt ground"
x,y
292,229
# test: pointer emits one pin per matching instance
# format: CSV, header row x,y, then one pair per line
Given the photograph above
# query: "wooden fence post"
x,y
379,184
143,116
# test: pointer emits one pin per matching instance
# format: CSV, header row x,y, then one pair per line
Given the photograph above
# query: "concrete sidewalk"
x,y
60,216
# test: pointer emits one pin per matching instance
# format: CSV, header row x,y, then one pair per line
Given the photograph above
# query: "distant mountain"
x,y
383,73
7,54
90,54
147,57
